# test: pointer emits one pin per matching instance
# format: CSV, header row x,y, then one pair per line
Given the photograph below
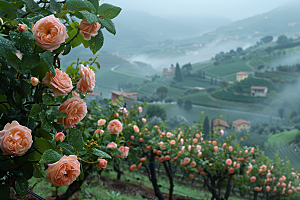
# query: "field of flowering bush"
x,y
47,130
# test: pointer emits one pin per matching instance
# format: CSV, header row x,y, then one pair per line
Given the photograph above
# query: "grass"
x,y
282,138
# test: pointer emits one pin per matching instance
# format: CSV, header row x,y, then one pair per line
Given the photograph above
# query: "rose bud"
x,y
59,136
22,27
34,81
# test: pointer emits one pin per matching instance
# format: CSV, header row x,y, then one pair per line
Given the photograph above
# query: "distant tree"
x,y
155,110
239,89
216,81
293,114
239,49
216,63
269,49
211,81
179,102
267,39
203,75
281,113
178,75
169,100
231,51
206,127
282,39
162,92
200,74
176,120
155,98
224,84
188,105
260,67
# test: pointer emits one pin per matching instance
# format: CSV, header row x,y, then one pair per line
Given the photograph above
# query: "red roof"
x,y
258,87
124,94
242,73
219,122
240,121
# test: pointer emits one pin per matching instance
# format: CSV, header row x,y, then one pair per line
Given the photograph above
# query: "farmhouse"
x,y
259,91
241,76
129,98
241,124
166,72
219,124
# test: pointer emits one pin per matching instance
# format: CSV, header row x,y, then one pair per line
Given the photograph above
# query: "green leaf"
x,y
100,153
93,68
96,42
4,191
36,171
25,88
72,35
95,3
40,70
59,50
70,70
50,156
48,60
31,5
108,11
98,65
42,145
48,99
113,137
63,13
5,163
30,60
108,24
55,6
21,186
35,111
90,17
45,124
9,12
76,139
55,115
7,46
27,37
44,134
13,61
77,41
67,149
6,4
75,4
74,24
67,49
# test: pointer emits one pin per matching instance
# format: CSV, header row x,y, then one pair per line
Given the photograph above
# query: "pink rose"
x,y
111,145
87,81
76,109
59,136
101,122
136,129
15,139
102,163
34,81
89,30
144,120
140,109
64,171
61,83
115,126
49,33
99,131
22,27
124,152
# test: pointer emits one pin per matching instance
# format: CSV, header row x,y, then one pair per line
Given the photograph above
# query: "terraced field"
x,y
286,153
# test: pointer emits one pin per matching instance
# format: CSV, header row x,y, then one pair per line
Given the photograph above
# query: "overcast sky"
x,y
231,9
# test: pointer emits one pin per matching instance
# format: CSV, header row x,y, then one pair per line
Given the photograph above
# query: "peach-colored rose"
x,y
124,152
59,136
186,159
132,167
144,120
136,129
99,131
193,164
64,171
228,161
22,27
140,109
111,145
61,83
101,122
102,163
34,81
253,179
49,33
76,109
89,30
172,142
115,126
87,81
15,139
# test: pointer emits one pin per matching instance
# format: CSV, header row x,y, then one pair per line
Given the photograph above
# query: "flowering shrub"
x,y
41,106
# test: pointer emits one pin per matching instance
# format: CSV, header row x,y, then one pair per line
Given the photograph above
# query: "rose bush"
x,y
41,105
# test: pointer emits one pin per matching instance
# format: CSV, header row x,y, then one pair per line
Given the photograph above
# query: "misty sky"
x,y
231,9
